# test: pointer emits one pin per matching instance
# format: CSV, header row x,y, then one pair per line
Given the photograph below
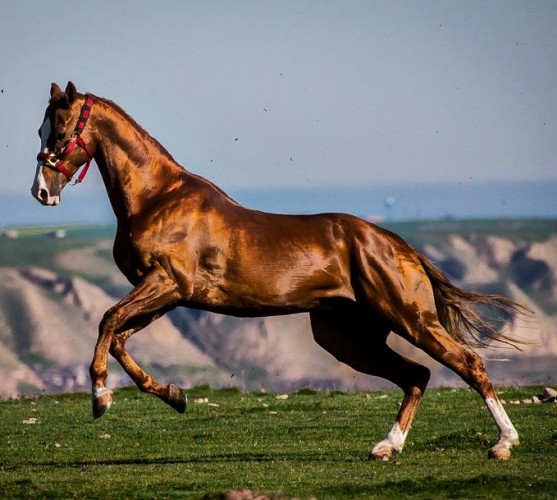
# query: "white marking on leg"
x,y
102,400
508,436
99,391
394,440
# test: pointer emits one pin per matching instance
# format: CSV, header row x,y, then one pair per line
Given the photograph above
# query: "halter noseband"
x,y
53,160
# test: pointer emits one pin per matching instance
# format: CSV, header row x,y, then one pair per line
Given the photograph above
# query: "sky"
x,y
302,93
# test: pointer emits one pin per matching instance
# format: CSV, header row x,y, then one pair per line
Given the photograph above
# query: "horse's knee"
x,y
109,321
116,346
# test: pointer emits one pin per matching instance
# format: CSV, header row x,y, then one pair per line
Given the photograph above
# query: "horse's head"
x,y
60,133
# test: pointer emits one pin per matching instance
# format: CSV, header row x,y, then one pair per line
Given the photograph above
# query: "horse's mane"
x,y
131,121
147,136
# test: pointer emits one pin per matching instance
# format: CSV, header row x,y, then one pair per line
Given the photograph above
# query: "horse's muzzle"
x,y
43,196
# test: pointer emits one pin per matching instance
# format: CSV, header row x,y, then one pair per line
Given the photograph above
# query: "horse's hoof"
x,y
102,401
499,454
177,399
382,454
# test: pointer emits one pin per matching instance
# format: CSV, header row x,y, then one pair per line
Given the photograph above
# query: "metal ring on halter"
x,y
51,160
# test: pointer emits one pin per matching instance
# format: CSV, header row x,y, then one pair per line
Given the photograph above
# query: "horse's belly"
x,y
263,294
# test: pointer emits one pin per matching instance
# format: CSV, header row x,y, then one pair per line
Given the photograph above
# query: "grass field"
x,y
312,444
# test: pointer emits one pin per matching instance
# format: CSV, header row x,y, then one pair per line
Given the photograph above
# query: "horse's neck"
x,y
134,166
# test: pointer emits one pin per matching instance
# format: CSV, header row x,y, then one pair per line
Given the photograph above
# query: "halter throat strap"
x,y
53,160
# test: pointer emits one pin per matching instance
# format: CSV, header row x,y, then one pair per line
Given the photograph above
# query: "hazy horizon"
x,y
402,201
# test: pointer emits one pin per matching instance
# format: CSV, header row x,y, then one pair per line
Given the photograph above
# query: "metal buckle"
x,y
51,161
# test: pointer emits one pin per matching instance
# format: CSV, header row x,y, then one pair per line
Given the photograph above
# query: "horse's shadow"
x,y
304,457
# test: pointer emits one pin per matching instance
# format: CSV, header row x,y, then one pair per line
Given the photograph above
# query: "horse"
x,y
182,241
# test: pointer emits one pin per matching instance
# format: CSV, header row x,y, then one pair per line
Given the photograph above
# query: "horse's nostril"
x,y
43,194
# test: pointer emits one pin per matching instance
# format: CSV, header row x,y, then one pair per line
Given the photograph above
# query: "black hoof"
x,y
177,399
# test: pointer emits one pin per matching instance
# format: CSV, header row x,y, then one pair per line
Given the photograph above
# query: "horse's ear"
x,y
54,89
71,92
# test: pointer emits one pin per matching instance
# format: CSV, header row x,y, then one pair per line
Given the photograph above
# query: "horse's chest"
x,y
129,258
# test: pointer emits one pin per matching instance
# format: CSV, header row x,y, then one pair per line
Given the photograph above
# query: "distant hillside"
x,y
55,284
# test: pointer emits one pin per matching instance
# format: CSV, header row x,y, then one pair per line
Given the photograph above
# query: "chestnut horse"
x,y
181,241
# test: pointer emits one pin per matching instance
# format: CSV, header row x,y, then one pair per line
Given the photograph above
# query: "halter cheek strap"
x,y
53,160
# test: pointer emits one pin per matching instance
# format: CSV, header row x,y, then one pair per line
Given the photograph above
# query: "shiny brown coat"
x,y
181,241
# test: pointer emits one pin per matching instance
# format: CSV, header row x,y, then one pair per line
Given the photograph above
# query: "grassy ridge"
x,y
311,444
34,247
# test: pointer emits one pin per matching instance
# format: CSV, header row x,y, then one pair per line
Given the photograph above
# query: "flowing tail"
x,y
460,311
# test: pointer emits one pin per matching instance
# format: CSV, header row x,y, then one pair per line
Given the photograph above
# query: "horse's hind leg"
x,y
353,339
431,337
155,293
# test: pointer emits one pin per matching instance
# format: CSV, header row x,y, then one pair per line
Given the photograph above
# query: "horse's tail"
x,y
462,313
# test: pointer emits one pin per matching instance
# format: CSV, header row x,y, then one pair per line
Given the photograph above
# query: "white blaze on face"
x,y
40,189
44,132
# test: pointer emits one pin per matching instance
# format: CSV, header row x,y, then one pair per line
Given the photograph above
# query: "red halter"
x,y
53,160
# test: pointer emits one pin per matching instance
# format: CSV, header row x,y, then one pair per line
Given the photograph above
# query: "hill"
x,y
55,284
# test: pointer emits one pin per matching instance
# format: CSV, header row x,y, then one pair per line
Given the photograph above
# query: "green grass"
x,y
313,444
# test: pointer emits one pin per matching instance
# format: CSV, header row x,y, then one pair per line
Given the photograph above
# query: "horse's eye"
x,y
60,136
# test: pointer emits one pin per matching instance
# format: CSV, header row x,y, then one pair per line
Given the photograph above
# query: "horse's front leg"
x,y
170,394
101,395
156,292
